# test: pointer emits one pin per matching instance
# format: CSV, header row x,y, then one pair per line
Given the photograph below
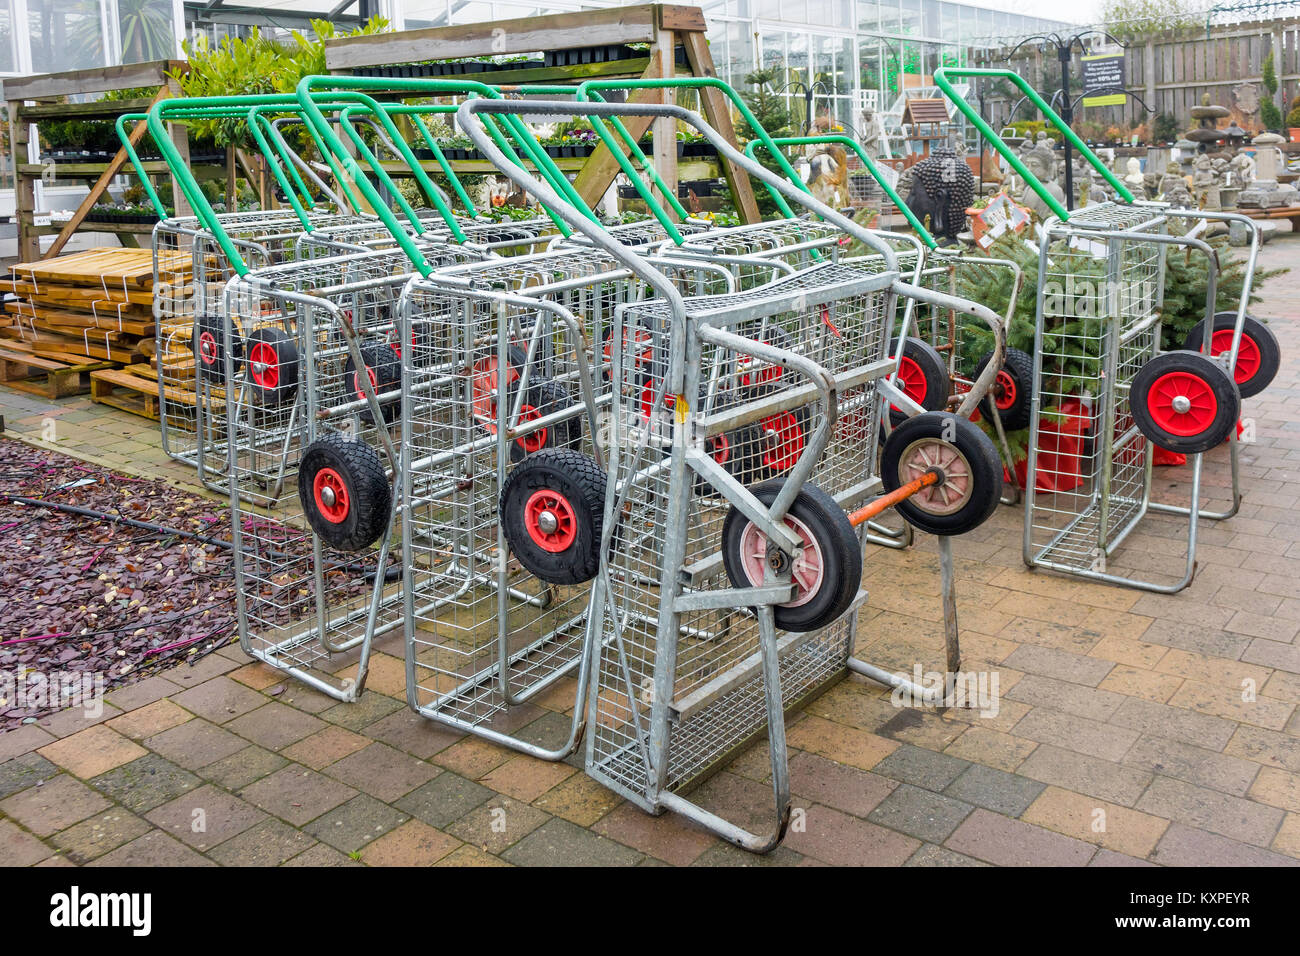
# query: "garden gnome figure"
x,y
1205,184
943,186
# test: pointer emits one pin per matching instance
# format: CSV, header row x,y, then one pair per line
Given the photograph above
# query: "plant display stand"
x,y
34,98
578,46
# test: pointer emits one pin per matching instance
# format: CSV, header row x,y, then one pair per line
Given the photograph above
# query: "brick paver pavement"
x,y
1132,727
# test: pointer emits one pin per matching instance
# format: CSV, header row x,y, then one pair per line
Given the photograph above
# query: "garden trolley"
x,y
1104,392
716,605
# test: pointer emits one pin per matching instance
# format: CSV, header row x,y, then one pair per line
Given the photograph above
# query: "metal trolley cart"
x,y
1107,390
724,594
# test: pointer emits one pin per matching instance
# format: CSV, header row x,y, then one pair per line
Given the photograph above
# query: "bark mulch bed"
x,y
88,600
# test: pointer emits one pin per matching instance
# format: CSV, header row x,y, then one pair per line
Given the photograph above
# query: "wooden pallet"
x,y
46,377
134,389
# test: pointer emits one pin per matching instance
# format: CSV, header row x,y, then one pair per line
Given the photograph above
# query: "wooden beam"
x,y
103,79
101,184
29,243
682,19
717,111
555,31
601,167
663,54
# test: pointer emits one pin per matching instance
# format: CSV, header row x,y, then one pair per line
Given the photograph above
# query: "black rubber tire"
x,y
267,347
983,463
737,450
837,539
1154,417
1259,335
1017,377
543,398
357,470
210,332
385,369
934,374
576,479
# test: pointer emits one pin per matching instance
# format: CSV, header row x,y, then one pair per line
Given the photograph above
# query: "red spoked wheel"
x,y
272,365
1184,401
784,436
552,511
213,335
757,377
1012,390
826,569
922,377
1258,355
344,492
642,354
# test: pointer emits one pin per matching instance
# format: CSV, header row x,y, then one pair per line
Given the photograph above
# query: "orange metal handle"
x,y
901,493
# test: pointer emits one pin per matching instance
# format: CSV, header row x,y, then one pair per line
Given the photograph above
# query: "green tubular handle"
x,y
518,129
872,168
704,82
255,123
258,122
941,80
125,137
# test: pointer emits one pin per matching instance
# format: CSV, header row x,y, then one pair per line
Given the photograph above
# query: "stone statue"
x,y
1173,187
1133,178
1205,183
1241,171
1264,191
943,186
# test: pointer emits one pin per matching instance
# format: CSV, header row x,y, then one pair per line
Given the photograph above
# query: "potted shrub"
x,y
1293,122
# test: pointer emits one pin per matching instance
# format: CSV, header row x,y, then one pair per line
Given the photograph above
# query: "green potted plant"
x,y
1293,121
1269,114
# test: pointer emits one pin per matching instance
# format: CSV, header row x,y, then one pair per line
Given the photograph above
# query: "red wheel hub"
x,y
356,383
785,441
1005,391
720,448
808,572
1248,358
550,521
207,348
484,387
911,381
265,365
533,441
331,495
1182,403
669,402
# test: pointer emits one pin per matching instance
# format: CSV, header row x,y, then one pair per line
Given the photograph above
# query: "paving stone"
x,y
472,757
1273,654
579,799
326,746
365,711
146,783
1177,723
499,823
191,675
1277,788
1109,858
382,772
73,720
1084,774
1091,737
726,854
91,752
1199,639
147,691
836,838
1062,665
19,773
1135,682
1095,821
322,855
196,743
257,675
1006,842
526,778
1188,846
1077,699
1268,747
561,843
22,739
669,837
444,799
1229,816
993,748
1288,836
931,855
354,824
219,700
205,817
153,849
1194,764
854,791
150,719
923,768
270,843
844,745
296,794
54,805
243,767
995,790
414,843
1228,702
276,726
19,848
407,730
920,813
470,856
99,834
